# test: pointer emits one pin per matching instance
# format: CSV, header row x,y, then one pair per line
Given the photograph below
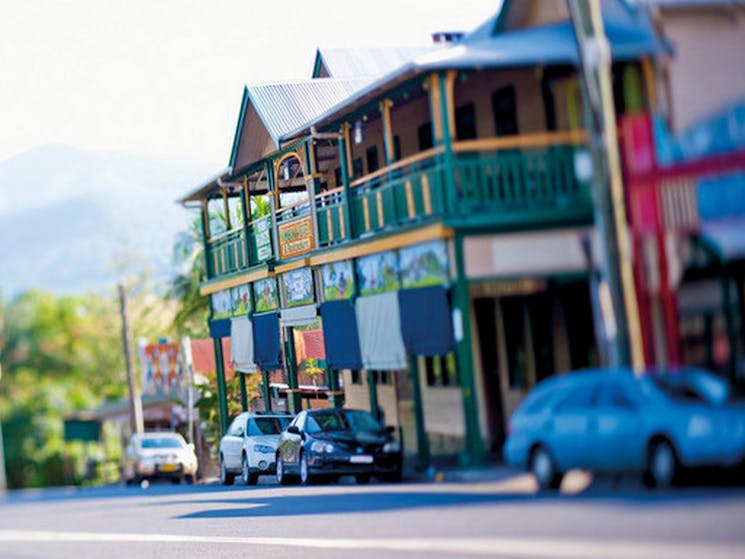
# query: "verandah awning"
x,y
340,335
267,346
379,325
426,324
242,345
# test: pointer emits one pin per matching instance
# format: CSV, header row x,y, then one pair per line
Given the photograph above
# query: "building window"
x,y
504,106
337,176
357,168
371,155
356,376
441,370
382,377
396,147
465,122
424,132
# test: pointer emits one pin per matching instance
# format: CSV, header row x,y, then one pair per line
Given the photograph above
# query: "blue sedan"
x,y
610,420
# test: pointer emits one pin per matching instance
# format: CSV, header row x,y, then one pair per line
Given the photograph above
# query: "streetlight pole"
x,y
135,402
618,302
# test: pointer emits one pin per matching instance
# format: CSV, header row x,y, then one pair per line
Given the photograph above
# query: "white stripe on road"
x,y
533,547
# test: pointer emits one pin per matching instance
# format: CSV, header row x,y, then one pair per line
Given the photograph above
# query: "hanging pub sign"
x,y
262,229
265,295
295,237
162,373
222,305
424,264
298,286
378,273
241,300
338,280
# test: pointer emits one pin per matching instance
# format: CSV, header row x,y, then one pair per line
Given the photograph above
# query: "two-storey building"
x,y
426,218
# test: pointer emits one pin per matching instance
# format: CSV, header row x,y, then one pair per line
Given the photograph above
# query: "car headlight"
x,y
320,446
146,462
391,446
699,426
263,449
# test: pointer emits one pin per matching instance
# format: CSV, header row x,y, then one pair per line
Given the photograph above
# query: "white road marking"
x,y
495,547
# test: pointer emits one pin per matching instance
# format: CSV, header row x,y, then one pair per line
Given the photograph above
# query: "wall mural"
x,y
338,280
424,264
298,286
378,273
222,306
265,295
241,300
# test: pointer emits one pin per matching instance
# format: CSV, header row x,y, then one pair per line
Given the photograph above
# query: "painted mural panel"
x,y
222,305
338,280
241,300
298,286
263,238
265,295
378,273
424,264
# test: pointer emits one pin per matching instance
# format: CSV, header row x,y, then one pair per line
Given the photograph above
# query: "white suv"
x,y
250,445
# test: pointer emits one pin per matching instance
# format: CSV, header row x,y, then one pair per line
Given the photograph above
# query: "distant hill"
x,y
70,217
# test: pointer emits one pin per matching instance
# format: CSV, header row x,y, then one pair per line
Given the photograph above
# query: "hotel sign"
x,y
295,237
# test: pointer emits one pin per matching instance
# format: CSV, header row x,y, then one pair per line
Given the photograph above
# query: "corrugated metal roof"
x,y
549,44
284,107
356,62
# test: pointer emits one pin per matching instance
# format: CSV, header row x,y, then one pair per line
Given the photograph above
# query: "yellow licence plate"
x,y
168,467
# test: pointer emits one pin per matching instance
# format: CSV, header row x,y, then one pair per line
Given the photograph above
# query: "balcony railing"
x,y
523,180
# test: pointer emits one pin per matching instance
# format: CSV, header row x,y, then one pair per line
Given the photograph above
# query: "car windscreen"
x,y
165,442
267,425
678,390
342,421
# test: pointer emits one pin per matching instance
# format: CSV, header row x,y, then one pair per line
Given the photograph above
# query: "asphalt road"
x,y
486,518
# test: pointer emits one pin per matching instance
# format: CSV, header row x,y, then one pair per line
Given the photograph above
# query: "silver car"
x,y
159,455
249,446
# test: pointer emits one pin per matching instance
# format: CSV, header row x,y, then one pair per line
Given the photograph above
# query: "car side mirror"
x,y
390,429
191,446
293,429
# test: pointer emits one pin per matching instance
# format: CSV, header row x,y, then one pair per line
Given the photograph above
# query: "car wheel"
x,y
189,478
226,478
247,477
362,479
662,464
544,469
305,477
394,476
281,476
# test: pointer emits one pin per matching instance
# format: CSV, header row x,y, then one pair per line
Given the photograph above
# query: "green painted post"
x,y
347,207
294,400
336,396
206,239
222,392
448,155
267,391
422,441
246,205
372,387
244,395
475,452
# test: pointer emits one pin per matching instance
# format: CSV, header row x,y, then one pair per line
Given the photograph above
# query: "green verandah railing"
x,y
490,184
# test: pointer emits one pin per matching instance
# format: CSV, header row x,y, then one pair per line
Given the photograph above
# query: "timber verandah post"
x,y
222,392
474,453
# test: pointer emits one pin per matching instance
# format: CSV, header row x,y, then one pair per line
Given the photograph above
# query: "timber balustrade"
x,y
516,180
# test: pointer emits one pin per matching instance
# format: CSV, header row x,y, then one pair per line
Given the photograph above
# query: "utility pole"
x,y
135,403
189,370
617,294
3,479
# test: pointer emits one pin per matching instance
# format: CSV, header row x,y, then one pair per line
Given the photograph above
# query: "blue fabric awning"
x,y
220,328
726,237
267,346
426,324
340,335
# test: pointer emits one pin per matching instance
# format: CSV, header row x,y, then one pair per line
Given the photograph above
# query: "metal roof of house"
x,y
356,62
284,107
629,38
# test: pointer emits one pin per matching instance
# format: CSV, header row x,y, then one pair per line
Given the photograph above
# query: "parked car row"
x,y
313,445
656,424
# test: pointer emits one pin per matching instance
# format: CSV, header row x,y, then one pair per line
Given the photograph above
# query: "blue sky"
x,y
166,76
